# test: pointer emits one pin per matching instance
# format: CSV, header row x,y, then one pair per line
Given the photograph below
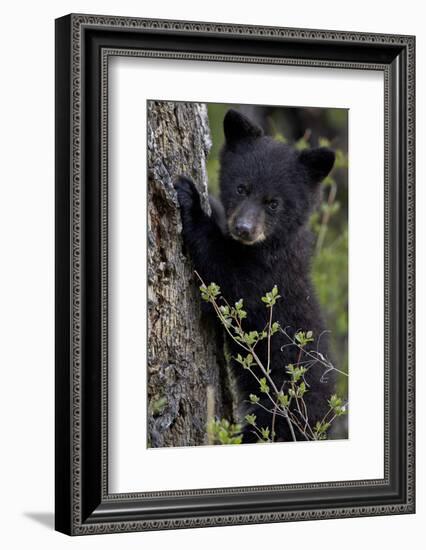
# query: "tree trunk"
x,y
184,377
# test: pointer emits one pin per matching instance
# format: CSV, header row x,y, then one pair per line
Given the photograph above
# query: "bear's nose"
x,y
243,229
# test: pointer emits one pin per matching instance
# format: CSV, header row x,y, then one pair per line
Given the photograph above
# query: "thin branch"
x,y
326,218
269,339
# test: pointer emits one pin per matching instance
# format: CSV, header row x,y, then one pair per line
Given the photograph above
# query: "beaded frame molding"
x,y
84,43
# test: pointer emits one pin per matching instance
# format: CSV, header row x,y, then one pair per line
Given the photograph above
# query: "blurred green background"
x,y
302,128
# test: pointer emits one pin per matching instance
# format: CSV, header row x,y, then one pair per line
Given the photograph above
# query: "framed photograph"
x,y
234,274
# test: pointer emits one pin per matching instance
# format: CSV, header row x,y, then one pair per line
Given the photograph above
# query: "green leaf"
x,y
328,181
251,337
324,142
280,137
303,338
250,419
210,292
320,430
283,400
246,362
264,388
240,359
214,289
241,313
222,432
301,390
275,327
270,298
334,401
265,433
157,406
296,373
301,144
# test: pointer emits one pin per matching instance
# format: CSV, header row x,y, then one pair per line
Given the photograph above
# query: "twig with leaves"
x,y
289,405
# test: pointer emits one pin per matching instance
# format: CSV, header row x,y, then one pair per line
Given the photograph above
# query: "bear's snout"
x,y
244,229
246,224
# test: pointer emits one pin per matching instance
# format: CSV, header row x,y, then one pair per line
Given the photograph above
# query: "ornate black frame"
x,y
83,45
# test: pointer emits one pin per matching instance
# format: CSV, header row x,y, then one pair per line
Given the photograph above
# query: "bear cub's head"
x,y
267,188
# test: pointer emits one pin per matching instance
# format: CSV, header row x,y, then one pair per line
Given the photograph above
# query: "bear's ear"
x,y
236,126
319,162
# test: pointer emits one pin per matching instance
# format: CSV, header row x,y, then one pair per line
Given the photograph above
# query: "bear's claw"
x,y
187,194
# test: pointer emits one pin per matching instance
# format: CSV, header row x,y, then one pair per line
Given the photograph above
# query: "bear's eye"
x,y
242,190
273,204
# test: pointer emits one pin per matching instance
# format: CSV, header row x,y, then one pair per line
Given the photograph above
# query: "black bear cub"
x,y
258,238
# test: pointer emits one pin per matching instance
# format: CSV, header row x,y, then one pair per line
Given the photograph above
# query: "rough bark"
x,y
184,379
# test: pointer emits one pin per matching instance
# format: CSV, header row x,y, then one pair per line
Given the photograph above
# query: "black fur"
x,y
268,191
